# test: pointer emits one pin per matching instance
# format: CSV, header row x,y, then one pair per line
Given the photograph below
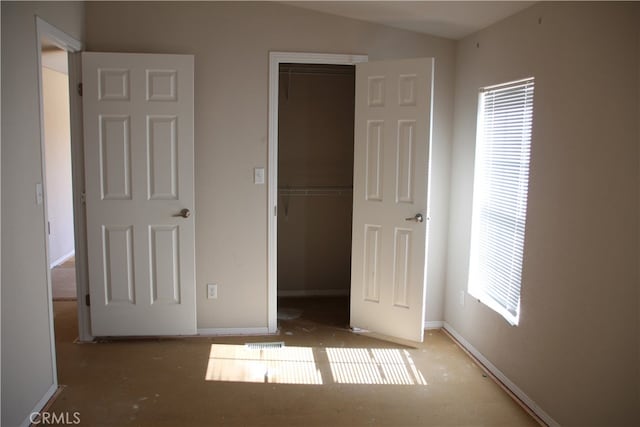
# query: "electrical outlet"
x,y
212,291
462,294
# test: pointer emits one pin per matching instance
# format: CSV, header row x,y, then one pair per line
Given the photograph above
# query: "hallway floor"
x,y
324,376
63,281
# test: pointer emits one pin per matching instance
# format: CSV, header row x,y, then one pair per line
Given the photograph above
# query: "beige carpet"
x,y
325,376
63,281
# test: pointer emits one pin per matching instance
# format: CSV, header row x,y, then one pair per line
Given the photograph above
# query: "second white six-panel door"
x,y
391,175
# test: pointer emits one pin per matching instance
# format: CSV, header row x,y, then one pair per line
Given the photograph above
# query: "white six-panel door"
x,y
391,172
138,139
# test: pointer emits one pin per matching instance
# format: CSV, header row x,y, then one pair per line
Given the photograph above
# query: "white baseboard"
x,y
62,259
433,324
40,405
233,331
313,293
533,406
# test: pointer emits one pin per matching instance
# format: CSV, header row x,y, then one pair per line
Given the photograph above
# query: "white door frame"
x,y
79,211
73,47
275,59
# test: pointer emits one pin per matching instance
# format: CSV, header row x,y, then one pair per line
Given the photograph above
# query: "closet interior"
x,y
315,182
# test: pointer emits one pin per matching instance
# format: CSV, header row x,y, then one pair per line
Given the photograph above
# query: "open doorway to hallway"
x,y
57,159
315,193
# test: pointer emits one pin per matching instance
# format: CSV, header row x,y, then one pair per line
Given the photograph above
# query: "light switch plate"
x,y
212,291
39,195
258,175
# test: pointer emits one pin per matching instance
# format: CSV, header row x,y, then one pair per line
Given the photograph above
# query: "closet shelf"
x,y
314,191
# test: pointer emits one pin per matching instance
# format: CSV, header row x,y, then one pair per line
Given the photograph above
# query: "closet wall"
x,y
315,179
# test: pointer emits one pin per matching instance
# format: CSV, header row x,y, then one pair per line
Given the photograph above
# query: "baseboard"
x,y
433,324
314,293
40,405
499,376
62,259
233,331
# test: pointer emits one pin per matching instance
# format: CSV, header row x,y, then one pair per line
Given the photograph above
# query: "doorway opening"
x,y
59,191
305,61
57,159
315,191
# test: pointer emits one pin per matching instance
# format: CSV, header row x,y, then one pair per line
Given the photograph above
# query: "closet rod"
x,y
316,73
315,191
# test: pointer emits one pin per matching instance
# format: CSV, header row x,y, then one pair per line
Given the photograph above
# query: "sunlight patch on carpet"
x,y
275,363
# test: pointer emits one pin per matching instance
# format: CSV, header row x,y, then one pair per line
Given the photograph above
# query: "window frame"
x,y
500,195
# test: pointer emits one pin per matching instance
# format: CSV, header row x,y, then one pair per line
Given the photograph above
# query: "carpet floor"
x,y
325,375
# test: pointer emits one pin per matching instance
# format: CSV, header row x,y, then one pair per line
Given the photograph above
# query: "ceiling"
x,y
450,19
55,60
53,57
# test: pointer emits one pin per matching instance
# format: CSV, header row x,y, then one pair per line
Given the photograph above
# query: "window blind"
x,y
501,181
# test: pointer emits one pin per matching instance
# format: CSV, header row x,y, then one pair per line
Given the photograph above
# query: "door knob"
x,y
417,218
184,213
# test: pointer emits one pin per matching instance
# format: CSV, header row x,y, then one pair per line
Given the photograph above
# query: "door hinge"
x,y
275,210
87,300
80,89
83,198
49,227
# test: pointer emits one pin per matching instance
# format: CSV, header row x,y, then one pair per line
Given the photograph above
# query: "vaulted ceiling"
x,y
450,19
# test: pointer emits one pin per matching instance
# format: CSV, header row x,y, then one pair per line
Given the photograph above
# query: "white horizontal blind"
x,y
503,148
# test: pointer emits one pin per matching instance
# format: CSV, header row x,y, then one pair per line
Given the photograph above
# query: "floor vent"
x,y
264,345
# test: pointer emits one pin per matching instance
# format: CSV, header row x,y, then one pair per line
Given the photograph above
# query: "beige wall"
x,y
231,44
27,371
575,351
55,88
315,149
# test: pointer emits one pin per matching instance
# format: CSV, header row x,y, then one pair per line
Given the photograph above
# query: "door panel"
x,y
115,155
138,124
391,171
118,258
